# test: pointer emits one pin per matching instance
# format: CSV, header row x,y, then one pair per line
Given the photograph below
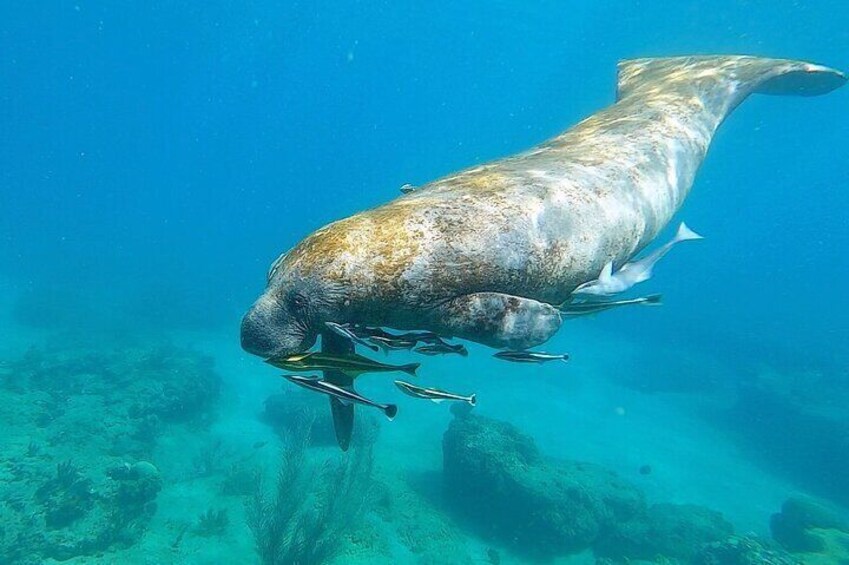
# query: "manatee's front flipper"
x,y
343,414
498,320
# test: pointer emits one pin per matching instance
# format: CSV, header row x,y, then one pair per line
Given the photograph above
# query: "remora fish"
x,y
345,395
367,331
530,356
425,337
575,309
387,343
371,333
442,348
351,364
633,272
346,332
433,394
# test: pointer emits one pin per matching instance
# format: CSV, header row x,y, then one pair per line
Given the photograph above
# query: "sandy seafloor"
x,y
572,410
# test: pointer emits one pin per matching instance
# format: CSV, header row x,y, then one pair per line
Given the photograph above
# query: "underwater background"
x,y
156,157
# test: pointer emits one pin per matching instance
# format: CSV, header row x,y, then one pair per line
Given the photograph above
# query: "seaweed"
x,y
33,449
181,532
239,480
212,523
67,475
207,461
66,497
306,516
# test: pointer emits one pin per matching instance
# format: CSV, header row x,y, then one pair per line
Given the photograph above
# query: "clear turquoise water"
x,y
156,157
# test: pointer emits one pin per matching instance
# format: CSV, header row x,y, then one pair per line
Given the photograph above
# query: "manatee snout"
x,y
268,329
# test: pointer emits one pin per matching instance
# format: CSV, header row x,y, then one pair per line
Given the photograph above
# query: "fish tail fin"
x,y
411,368
653,300
473,400
686,234
563,305
463,351
565,357
606,272
391,410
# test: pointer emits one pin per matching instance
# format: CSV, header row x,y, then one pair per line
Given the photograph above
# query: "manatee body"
x,y
483,254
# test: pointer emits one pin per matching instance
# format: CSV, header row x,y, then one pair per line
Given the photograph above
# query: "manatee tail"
x,y
722,82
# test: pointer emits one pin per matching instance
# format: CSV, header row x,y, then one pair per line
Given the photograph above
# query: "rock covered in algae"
x,y
793,526
74,415
284,410
745,550
495,477
75,512
674,531
811,403
833,548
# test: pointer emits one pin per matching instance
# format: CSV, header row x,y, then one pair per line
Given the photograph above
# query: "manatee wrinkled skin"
x,y
483,254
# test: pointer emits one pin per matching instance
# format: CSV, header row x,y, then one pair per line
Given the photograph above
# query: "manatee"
x,y
485,253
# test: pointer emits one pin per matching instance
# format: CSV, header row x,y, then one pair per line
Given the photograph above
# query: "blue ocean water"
x,y
156,157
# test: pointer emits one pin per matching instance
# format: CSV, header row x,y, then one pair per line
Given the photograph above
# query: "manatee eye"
x,y
299,301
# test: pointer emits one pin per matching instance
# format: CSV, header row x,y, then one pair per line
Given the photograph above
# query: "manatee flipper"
x,y
343,414
498,320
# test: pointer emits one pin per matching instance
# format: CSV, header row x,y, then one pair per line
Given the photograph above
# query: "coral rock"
x,y
799,515
675,531
495,477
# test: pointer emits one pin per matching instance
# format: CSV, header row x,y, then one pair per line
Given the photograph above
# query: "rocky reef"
x,y
813,404
72,513
676,531
80,429
115,454
496,478
744,550
286,410
502,486
813,529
